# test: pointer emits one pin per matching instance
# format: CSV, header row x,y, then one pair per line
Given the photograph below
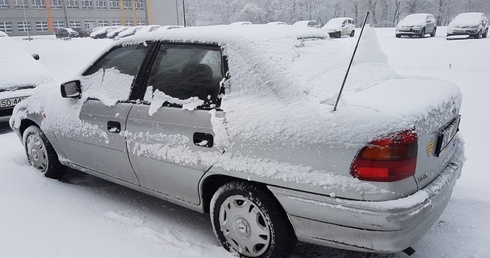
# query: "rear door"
x,y
170,136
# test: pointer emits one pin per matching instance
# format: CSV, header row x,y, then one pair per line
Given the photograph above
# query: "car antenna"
x,y
350,64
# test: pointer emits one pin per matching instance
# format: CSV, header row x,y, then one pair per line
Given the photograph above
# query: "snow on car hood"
x,y
466,19
334,24
18,68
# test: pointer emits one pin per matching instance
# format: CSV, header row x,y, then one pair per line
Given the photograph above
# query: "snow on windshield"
x,y
468,18
415,18
334,23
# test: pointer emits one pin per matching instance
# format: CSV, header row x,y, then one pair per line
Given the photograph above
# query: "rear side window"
x,y
187,71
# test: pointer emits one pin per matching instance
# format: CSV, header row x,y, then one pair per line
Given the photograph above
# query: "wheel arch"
x,y
24,124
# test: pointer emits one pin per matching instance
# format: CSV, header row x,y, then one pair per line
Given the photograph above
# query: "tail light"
x,y
391,158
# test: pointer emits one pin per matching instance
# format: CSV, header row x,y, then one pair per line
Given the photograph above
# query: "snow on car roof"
x,y
290,85
468,18
416,17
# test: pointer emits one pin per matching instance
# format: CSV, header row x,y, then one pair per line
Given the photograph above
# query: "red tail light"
x,y
388,159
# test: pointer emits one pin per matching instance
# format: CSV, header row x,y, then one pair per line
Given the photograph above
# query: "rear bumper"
x,y
386,226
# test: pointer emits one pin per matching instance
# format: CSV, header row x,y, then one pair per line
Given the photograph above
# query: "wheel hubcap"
x,y
244,226
36,152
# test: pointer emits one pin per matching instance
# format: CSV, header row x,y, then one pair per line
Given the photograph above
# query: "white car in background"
x,y
338,27
21,73
308,23
417,24
472,24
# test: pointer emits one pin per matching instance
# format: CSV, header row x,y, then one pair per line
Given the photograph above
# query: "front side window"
x,y
110,79
183,72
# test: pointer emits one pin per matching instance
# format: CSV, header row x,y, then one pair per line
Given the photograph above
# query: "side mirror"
x,y
71,89
35,56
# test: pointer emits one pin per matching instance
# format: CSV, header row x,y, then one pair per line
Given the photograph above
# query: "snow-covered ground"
x,y
87,217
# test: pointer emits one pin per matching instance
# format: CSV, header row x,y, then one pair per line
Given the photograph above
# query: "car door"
x,y
170,134
96,140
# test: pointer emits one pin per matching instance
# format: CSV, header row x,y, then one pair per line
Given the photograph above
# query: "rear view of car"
x,y
20,75
470,24
417,24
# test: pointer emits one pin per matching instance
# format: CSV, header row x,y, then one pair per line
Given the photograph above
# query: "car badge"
x,y
430,146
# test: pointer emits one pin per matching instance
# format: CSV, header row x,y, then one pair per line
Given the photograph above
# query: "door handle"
x,y
203,139
113,127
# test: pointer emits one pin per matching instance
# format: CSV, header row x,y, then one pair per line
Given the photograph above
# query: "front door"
x,y
94,137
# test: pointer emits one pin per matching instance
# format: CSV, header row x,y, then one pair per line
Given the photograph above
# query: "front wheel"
x,y
433,34
352,33
484,35
247,220
41,154
422,33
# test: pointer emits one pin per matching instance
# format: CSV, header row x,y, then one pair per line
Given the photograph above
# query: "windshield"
x,y
468,18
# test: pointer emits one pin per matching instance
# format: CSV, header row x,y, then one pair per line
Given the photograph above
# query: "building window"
x,y
103,23
114,4
23,26
4,4
6,27
38,4
72,3
139,5
141,23
55,3
42,26
75,24
101,4
58,24
116,23
20,3
89,24
127,4
128,23
87,4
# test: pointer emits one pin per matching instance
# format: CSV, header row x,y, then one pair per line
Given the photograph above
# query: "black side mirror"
x,y
71,89
35,56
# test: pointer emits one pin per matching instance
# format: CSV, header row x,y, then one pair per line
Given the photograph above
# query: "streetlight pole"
x,y
183,10
25,20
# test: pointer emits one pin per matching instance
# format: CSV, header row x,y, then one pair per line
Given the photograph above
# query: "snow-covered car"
x,y
20,74
308,23
114,33
3,34
101,33
417,24
146,29
471,24
128,32
241,23
276,23
338,27
239,122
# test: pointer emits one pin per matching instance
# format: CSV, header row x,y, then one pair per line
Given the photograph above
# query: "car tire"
x,y
484,35
249,221
422,33
398,35
477,35
41,154
352,33
433,34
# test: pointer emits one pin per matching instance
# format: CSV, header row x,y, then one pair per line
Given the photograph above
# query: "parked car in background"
x,y
472,24
102,32
82,32
65,33
3,34
146,29
309,23
113,34
338,27
169,27
241,23
417,24
232,121
20,74
276,23
128,32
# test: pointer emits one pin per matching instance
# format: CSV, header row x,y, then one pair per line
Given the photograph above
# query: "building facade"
x,y
41,17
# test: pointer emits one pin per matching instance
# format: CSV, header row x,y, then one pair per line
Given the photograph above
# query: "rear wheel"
x,y
41,154
247,220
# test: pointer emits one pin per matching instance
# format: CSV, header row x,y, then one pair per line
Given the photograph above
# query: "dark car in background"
x,y
65,33
83,33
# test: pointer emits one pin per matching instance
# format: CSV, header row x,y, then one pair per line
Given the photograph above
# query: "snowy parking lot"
x,y
83,216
